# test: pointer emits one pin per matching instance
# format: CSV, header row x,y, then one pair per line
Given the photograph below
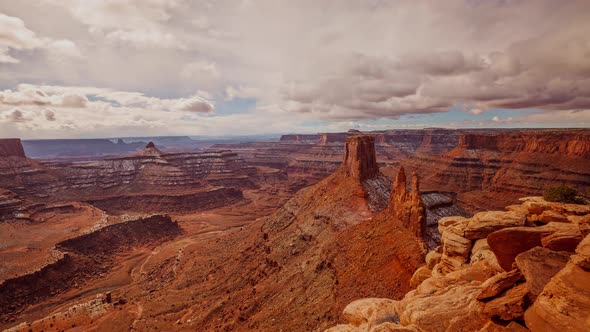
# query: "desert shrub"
x,y
562,194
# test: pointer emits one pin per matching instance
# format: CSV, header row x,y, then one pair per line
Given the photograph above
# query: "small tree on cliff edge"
x,y
562,194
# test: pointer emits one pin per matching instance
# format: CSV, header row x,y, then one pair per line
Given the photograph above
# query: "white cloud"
x,y
14,35
194,104
198,69
137,22
349,61
475,111
241,92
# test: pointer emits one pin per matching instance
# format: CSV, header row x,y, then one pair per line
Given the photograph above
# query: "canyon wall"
x,y
11,147
519,163
146,181
82,258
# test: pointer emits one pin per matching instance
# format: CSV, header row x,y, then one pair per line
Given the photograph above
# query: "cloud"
x,y
16,116
194,104
346,63
241,92
198,69
475,111
49,115
16,36
132,22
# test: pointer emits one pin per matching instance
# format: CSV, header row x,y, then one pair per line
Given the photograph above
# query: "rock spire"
x,y
407,206
359,159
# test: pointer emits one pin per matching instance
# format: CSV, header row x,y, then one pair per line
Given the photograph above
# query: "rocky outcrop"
x,y
564,303
406,206
360,161
540,289
11,147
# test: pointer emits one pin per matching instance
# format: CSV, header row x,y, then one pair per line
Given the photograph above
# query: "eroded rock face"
x,y
484,223
11,147
508,165
153,180
538,266
507,243
359,157
466,290
407,206
564,304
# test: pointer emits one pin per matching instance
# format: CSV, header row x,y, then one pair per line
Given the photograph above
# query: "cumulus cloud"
x,y
16,116
94,111
49,115
103,98
14,35
349,62
136,22
194,104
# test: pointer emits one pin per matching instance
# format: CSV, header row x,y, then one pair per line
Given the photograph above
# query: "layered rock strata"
x,y
82,258
150,179
496,271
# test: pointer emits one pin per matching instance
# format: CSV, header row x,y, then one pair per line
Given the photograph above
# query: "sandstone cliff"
x,y
517,270
498,167
11,147
153,181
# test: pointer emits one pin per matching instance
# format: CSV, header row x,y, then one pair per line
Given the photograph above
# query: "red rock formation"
x,y
544,290
360,161
507,165
83,257
406,206
11,147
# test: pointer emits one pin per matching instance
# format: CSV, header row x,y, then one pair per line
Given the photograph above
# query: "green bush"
x,y
562,194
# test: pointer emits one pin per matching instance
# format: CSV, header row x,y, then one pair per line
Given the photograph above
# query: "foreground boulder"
x,y
519,277
564,304
508,243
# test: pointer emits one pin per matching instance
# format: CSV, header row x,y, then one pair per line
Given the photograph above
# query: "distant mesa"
x,y
11,147
150,145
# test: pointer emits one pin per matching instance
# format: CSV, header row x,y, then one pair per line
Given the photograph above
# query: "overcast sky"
x,y
108,68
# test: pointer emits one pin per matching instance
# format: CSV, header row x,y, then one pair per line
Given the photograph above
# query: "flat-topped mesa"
x,y
360,161
332,138
11,147
407,207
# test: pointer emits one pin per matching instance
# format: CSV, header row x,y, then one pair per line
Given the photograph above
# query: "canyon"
x,y
375,231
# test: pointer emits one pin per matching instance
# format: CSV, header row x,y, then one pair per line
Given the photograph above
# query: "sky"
x,y
116,68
